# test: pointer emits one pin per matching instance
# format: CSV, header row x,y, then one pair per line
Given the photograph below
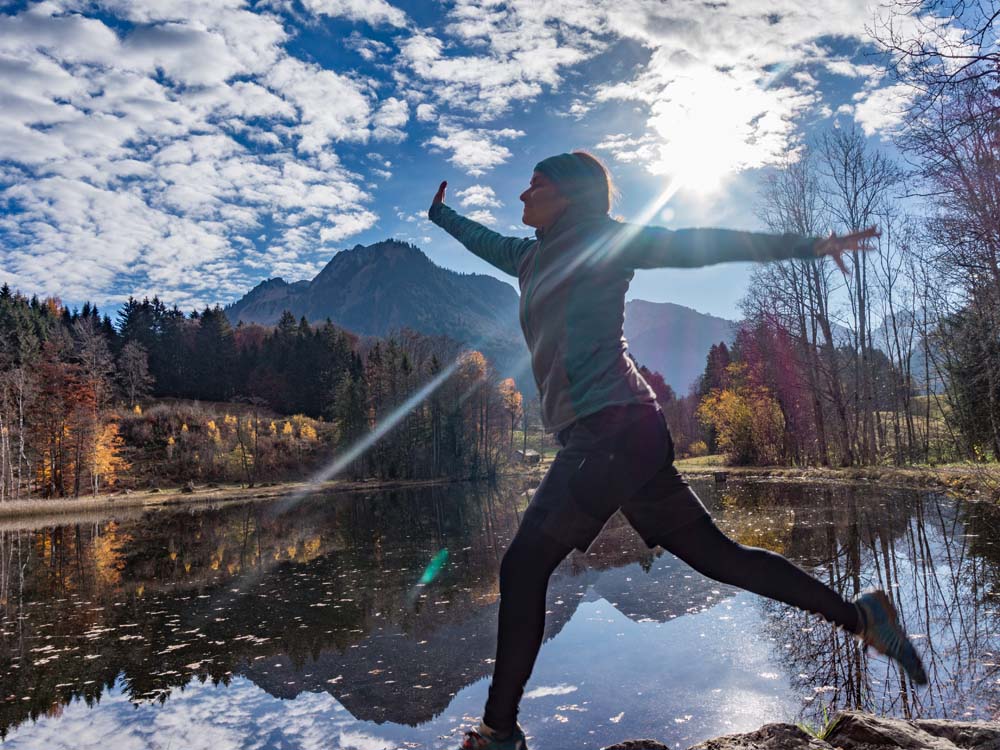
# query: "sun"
x,y
711,126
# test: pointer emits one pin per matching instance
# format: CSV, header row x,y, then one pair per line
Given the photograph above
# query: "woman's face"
x,y
543,203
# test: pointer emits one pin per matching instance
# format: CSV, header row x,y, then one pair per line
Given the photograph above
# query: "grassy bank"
x,y
976,481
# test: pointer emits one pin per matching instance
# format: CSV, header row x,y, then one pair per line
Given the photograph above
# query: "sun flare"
x,y
713,126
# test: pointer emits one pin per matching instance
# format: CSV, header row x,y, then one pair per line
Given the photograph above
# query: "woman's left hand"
x,y
835,246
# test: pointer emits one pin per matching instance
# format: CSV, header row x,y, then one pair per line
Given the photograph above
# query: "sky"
x,y
192,148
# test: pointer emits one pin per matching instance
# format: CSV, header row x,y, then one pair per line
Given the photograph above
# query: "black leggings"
x,y
533,556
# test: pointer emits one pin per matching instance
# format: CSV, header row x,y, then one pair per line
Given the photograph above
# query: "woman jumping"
x,y
617,452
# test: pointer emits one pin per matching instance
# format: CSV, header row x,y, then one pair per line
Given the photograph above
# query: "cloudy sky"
x,y
192,148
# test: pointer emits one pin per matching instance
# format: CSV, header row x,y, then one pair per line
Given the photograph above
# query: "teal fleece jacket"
x,y
573,279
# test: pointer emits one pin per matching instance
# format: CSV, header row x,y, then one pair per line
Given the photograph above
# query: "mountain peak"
x,y
376,289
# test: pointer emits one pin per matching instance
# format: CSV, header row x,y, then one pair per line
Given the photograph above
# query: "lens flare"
x,y
434,567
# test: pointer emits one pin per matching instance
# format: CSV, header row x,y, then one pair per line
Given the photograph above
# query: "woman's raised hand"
x,y
835,246
439,195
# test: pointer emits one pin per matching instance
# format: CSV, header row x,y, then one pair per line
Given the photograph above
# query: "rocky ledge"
x,y
852,730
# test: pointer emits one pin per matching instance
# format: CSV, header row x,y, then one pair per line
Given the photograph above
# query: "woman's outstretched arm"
x,y
656,247
503,252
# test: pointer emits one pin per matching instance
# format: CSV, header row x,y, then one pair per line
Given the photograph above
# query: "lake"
x,y
367,621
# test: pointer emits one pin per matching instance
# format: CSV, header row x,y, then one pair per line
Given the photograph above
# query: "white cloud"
x,y
332,107
483,216
518,49
548,690
426,112
373,12
845,67
127,168
343,226
390,118
473,149
478,195
882,110
369,49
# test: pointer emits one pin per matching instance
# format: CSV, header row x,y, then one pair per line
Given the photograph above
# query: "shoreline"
x,y
973,483
38,508
976,483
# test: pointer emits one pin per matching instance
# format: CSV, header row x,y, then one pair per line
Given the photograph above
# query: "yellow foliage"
x,y
170,440
287,430
511,396
311,547
107,461
748,423
308,432
698,448
184,427
274,428
474,366
137,410
109,556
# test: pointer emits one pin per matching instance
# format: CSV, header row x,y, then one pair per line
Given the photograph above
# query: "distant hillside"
x,y
377,289
673,340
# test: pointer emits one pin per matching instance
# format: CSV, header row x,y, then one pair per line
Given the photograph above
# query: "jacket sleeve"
x,y
503,252
656,247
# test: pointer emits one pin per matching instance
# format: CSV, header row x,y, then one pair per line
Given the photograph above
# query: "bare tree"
x,y
859,183
133,371
956,145
96,363
935,45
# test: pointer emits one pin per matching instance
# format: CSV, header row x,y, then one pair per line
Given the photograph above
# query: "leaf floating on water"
x,y
616,719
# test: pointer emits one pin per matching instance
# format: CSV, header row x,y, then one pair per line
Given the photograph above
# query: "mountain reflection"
x,y
326,597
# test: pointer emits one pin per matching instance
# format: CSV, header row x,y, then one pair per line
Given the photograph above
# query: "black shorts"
x,y
620,457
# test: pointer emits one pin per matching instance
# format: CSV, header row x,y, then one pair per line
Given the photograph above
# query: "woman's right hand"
x,y
439,195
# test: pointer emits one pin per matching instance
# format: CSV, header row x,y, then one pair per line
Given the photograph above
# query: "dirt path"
x,y
37,510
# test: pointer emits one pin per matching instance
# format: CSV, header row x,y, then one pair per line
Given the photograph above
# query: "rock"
x,y
859,731
853,730
188,488
768,737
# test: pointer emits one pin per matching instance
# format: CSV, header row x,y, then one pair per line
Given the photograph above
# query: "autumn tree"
x,y
511,399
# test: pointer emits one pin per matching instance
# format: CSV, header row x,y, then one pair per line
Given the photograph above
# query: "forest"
x,y
160,397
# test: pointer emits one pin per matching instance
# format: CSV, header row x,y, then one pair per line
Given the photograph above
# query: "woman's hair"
x,y
582,178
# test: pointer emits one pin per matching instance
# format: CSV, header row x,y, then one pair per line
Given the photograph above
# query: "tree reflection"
x,y
919,552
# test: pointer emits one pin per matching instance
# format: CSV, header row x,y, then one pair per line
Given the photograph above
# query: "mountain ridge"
x,y
378,289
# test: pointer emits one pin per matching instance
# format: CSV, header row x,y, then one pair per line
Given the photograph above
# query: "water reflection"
x,y
322,605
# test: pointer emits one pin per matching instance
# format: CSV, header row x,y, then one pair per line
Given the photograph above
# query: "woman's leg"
x,y
703,546
524,579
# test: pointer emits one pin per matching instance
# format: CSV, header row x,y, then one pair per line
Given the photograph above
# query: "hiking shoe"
x,y
484,738
881,631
